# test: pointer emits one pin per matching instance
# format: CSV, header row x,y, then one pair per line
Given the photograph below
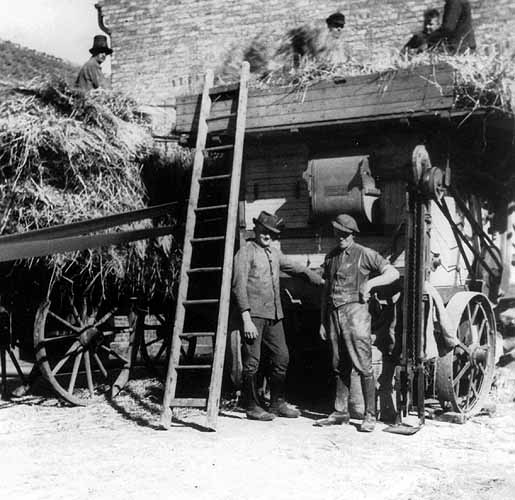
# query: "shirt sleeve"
x,y
240,276
417,41
290,267
373,261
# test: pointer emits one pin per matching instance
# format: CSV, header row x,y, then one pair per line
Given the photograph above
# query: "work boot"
x,y
368,385
282,409
278,405
253,410
368,424
335,418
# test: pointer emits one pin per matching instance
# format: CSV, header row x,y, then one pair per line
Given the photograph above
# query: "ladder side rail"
x,y
223,314
171,377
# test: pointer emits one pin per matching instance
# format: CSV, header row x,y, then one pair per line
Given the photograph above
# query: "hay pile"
x,y
66,156
303,56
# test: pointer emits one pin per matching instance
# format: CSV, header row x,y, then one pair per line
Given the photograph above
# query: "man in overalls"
x,y
255,287
345,319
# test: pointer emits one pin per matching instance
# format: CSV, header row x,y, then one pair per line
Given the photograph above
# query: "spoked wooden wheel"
x,y
155,333
72,351
464,375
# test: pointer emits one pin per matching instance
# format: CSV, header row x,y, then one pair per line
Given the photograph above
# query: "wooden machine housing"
x,y
381,116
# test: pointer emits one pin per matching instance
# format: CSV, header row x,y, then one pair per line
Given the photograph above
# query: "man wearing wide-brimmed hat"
x,y
90,75
345,320
256,291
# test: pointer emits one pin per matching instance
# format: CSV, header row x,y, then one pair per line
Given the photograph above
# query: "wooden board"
x,y
425,89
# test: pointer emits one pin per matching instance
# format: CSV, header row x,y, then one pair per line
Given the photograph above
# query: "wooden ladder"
x,y
202,310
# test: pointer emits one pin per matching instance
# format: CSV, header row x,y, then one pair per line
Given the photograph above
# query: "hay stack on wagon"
x,y
478,86
301,57
66,156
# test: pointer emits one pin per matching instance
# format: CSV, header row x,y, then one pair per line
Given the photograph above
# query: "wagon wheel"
x,y
155,333
464,375
72,351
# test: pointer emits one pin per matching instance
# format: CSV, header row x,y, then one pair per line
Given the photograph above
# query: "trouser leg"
x,y
341,364
368,386
342,368
251,399
354,321
251,355
274,342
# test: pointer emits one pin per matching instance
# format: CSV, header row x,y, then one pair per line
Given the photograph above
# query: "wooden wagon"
x,y
83,339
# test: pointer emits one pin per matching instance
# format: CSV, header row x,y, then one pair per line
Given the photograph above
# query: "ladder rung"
x,y
193,367
215,177
193,402
196,334
220,117
207,239
204,270
212,207
219,148
199,302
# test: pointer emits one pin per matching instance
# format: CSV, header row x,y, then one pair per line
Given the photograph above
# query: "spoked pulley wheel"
x,y
72,350
464,375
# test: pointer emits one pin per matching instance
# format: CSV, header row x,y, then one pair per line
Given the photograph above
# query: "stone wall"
x,y
162,47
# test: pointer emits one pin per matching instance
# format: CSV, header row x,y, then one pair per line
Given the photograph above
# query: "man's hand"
x,y
322,332
250,330
364,293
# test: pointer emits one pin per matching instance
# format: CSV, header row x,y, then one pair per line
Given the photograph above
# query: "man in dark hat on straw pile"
x,y
90,75
334,50
255,287
335,23
345,319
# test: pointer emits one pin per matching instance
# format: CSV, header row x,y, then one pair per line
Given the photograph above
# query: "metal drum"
x,y
341,185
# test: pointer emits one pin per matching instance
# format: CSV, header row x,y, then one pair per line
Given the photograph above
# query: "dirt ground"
x,y
115,450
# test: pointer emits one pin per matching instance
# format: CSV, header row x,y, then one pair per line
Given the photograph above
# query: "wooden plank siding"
x,y
424,89
277,181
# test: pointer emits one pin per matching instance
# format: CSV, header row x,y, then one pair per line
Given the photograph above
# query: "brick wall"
x,y
161,48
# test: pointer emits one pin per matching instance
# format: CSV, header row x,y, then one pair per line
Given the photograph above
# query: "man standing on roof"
x,y
255,287
418,43
90,75
345,319
456,32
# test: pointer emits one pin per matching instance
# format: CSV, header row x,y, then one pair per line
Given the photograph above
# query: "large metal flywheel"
x,y
464,375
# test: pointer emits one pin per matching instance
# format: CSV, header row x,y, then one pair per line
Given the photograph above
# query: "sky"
x,y
62,28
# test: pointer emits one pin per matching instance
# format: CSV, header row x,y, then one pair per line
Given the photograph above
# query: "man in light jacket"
x,y
255,287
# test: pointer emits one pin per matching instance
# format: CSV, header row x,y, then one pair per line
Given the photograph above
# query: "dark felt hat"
x,y
345,223
271,222
100,45
336,19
